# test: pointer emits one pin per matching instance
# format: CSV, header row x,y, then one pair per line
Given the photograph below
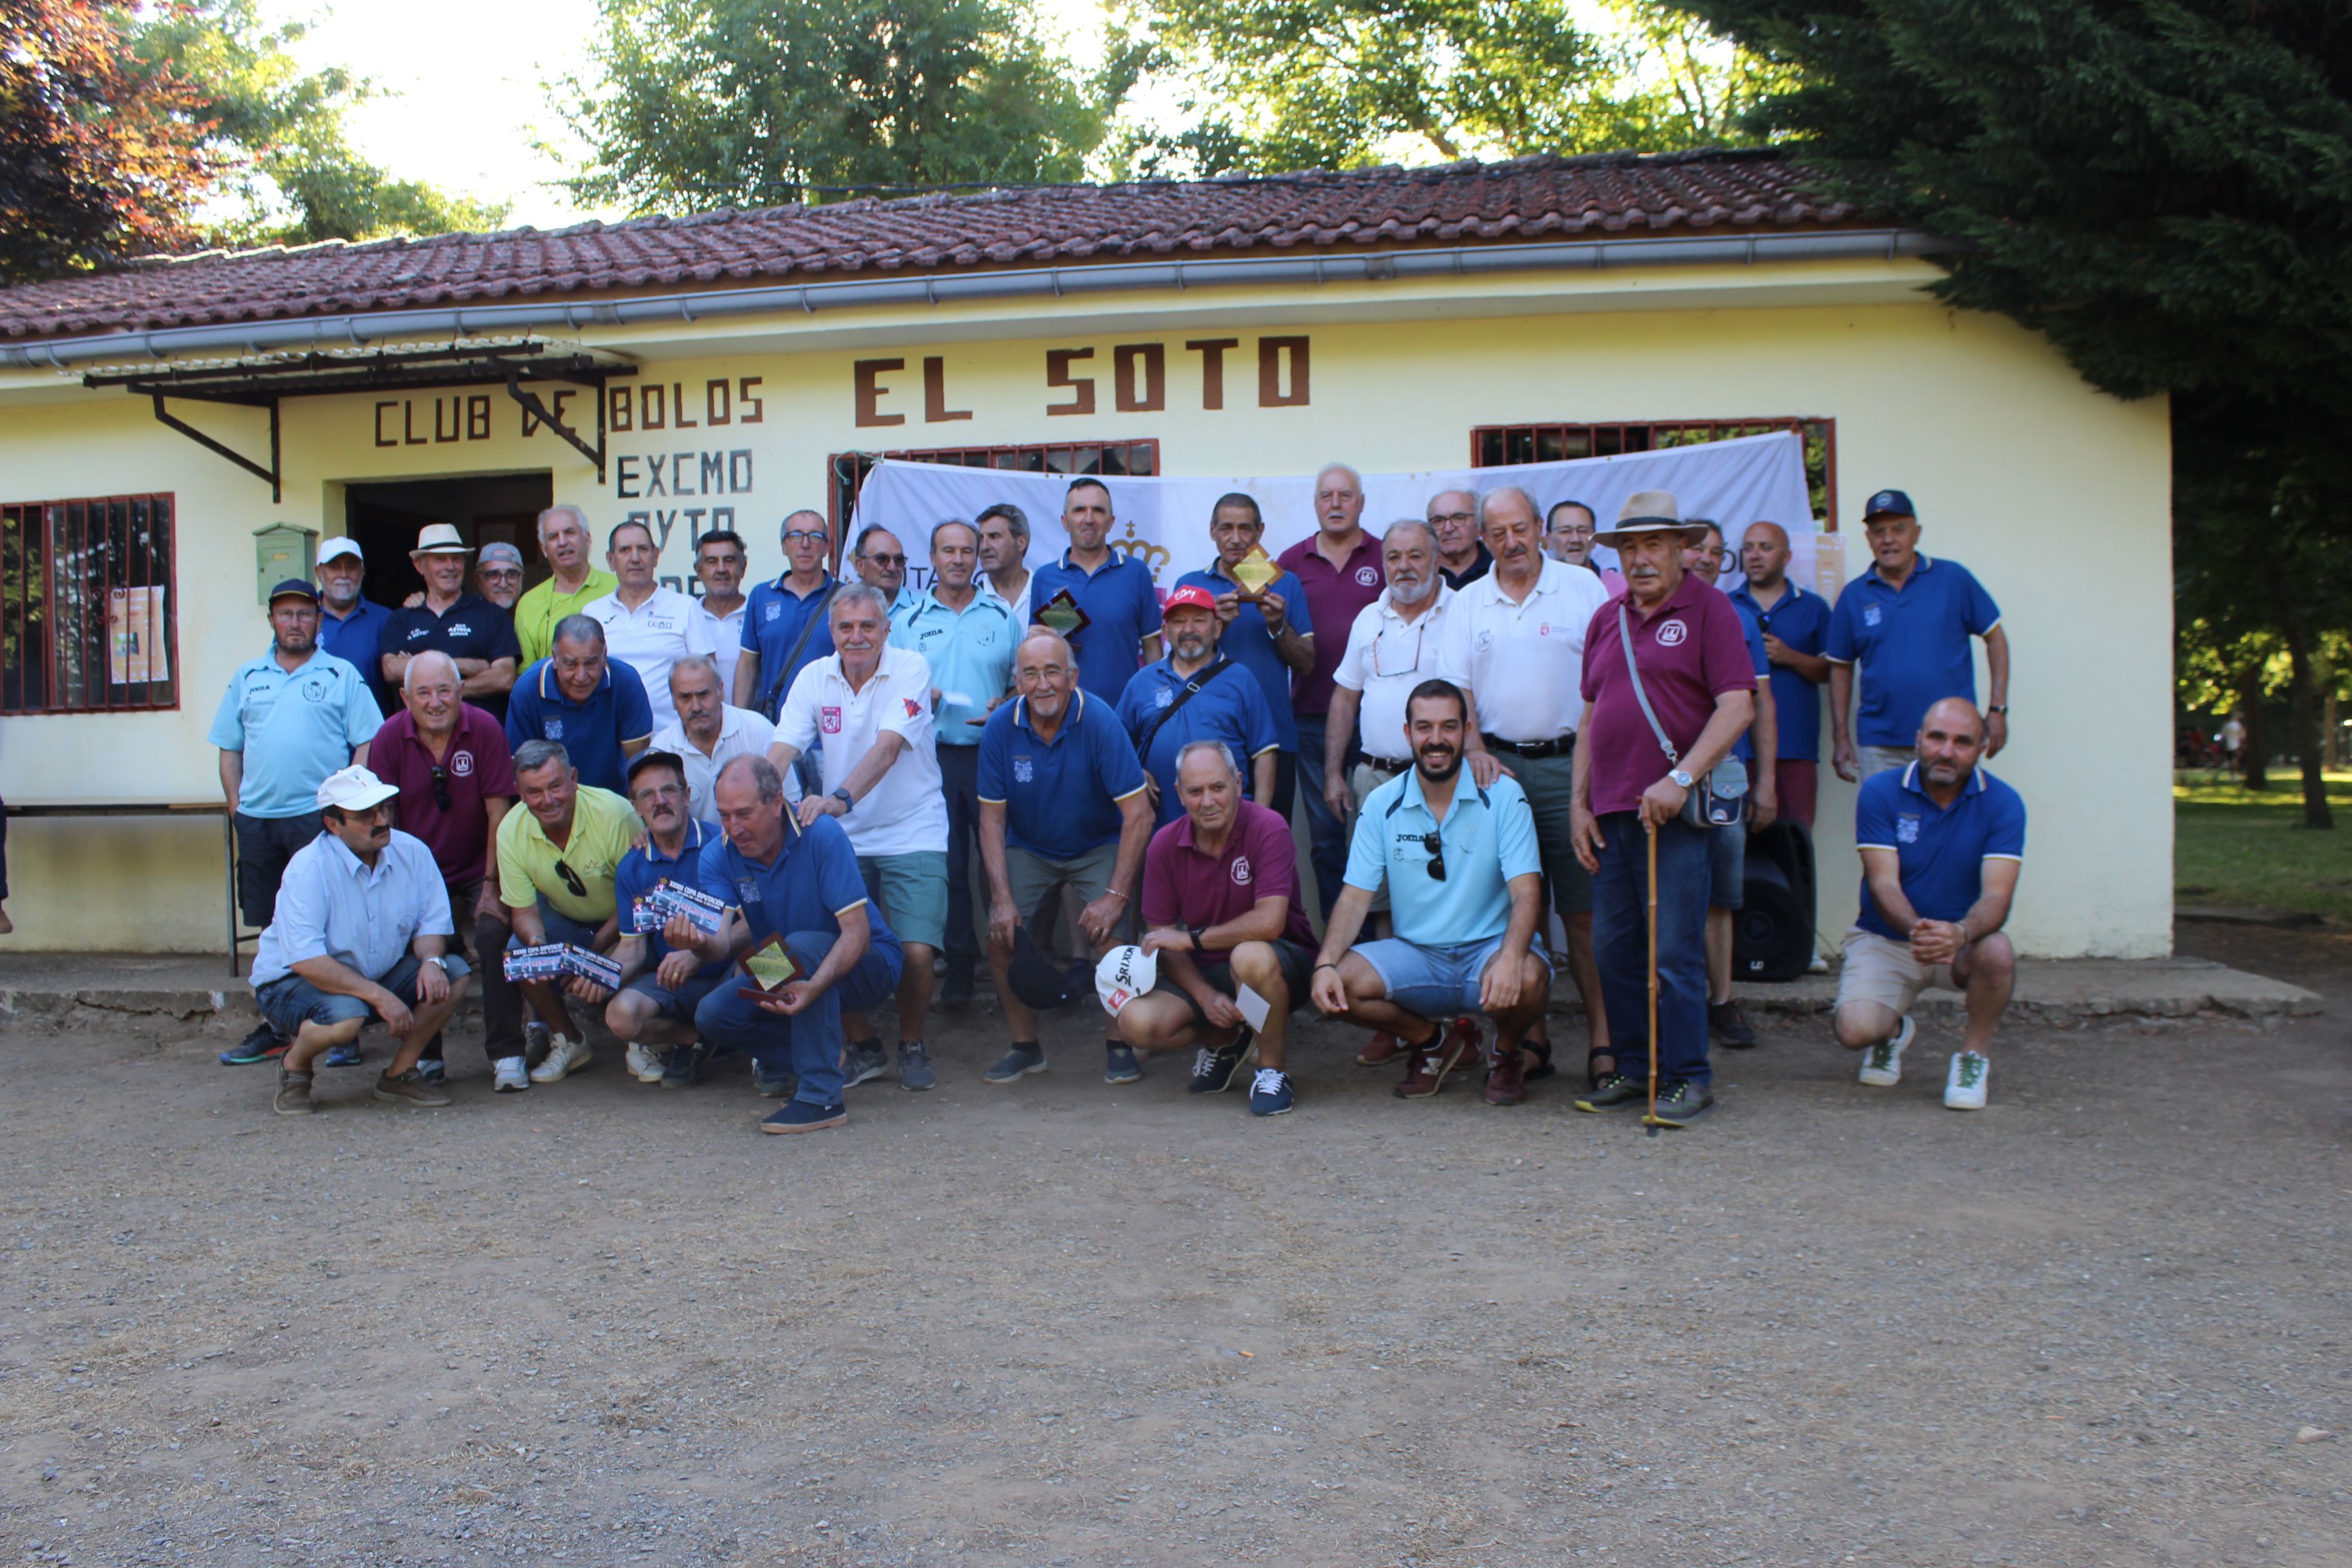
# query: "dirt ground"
x,y
1069,1324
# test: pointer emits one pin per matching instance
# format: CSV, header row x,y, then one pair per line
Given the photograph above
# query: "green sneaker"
x,y
1964,1087
1618,1091
1882,1064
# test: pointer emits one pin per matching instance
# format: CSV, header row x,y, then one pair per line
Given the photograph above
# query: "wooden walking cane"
x,y
1650,1118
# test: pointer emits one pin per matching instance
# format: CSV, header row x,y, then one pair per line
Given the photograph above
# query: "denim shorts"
x,y
1436,983
289,1001
678,1005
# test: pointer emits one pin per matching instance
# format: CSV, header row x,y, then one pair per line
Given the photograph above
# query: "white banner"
x,y
1752,479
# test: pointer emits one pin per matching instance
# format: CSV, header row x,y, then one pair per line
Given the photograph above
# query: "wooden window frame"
x,y
1612,438
20,619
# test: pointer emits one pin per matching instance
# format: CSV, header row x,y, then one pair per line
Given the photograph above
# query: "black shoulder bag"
x,y
774,698
1713,801
1192,689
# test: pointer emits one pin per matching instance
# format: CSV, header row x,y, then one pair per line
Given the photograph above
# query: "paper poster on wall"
x,y
134,635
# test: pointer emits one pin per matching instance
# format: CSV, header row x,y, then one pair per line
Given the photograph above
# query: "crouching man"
x,y
1221,910
1466,887
361,930
661,987
799,886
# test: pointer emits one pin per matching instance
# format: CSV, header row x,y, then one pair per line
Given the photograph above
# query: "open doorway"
x,y
383,519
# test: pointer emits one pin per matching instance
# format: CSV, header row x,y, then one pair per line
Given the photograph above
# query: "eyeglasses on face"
x,y
1436,847
580,888
805,536
1444,516
881,560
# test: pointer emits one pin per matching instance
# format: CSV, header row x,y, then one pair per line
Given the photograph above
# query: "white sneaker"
x,y
645,1063
566,1054
509,1076
1964,1089
1882,1064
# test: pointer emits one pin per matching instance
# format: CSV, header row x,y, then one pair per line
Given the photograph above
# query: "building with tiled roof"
x,y
176,430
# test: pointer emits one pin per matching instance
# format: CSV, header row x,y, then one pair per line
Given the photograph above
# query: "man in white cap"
x,y
647,626
476,634
350,626
361,930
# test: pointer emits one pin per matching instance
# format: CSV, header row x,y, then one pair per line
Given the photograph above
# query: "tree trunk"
x,y
2304,707
2332,733
2249,704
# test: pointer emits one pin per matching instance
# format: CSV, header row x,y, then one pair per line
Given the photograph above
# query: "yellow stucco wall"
x,y
2017,467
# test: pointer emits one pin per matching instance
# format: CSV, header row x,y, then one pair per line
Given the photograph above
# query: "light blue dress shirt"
x,y
332,904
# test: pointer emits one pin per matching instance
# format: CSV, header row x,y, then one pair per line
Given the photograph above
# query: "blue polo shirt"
x,y
1488,838
1248,644
1942,849
1060,797
1229,708
773,618
813,882
645,866
1744,748
358,640
1912,644
591,731
971,655
294,728
1121,609
1803,621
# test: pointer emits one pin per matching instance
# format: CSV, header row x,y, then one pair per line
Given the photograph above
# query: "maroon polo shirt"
x,y
1692,650
1334,595
1185,886
479,765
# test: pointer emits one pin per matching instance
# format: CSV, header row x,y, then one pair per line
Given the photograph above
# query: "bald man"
x,y
1795,626
1338,570
1942,842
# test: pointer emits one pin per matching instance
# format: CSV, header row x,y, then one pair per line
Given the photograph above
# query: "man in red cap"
x,y
1196,693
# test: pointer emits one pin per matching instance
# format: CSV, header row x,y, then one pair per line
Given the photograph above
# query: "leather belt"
x,y
1382,765
1559,746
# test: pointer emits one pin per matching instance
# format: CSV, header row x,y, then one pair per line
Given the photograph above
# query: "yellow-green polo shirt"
x,y
603,827
536,613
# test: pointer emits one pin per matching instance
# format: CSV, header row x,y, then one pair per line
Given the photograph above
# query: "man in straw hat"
x,y
1649,741
478,635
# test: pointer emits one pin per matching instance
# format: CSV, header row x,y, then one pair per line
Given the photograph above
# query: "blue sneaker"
x,y
1015,1065
345,1056
775,1088
686,1064
1119,1065
800,1116
264,1045
1271,1093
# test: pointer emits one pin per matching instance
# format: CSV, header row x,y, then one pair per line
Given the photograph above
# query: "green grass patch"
x,y
2239,849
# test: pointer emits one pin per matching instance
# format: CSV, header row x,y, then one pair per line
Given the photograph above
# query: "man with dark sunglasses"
x,y
449,760
1465,891
556,861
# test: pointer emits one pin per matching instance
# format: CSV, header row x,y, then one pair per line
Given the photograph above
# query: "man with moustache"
x,y
1462,554
720,562
476,634
498,577
1004,557
1196,694
1794,623
1270,635
653,1010
1514,643
785,629
709,734
1338,568
288,719
1110,589
564,543
1465,893
1692,657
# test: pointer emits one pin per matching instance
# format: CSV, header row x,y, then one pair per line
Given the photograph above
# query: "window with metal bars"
x,y
89,608
848,469
1496,445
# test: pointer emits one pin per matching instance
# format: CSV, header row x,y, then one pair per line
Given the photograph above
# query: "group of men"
x,y
749,822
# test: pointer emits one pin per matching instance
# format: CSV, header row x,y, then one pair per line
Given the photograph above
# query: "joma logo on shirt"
x,y
1870,615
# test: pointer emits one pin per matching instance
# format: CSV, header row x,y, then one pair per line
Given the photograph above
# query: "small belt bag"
x,y
1715,801
1559,746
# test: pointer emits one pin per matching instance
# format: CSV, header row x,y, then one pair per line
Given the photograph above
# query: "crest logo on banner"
x,y
829,721
1671,633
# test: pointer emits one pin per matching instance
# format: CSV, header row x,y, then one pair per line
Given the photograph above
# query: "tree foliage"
x,y
98,159
707,103
1293,84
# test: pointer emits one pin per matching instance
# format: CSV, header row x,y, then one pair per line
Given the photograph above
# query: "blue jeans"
x,y
807,1044
1620,945
1326,835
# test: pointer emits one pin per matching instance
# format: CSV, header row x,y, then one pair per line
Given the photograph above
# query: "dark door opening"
x,y
383,519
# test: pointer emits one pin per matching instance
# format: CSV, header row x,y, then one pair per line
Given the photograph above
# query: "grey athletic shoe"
x,y
1682,1102
1119,1065
863,1063
1015,1065
915,1065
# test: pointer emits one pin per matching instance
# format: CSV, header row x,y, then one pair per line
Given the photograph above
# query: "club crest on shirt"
x,y
462,763
1671,633
913,707
1241,872
746,891
1366,576
770,613
315,689
829,721
1907,830
1163,697
1870,615
1025,771
553,728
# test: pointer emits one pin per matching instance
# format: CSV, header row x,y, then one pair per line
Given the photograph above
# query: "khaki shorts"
x,y
1884,972
1877,760
1034,877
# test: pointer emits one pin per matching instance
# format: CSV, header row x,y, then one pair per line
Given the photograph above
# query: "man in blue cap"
x,y
1907,622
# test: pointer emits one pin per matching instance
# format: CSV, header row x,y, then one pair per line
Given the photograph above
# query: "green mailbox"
x,y
280,551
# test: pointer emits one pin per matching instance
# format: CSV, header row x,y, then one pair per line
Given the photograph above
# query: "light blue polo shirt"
x,y
1802,619
1229,708
1060,797
1912,644
1248,644
971,655
332,904
1121,609
1940,850
1488,838
294,728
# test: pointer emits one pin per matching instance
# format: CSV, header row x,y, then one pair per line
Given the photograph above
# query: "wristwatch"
x,y
843,796
435,961
2000,707
1194,932
1682,780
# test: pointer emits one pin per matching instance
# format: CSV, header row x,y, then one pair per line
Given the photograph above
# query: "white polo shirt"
x,y
907,811
726,634
1018,604
1386,657
1523,663
667,627
742,733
